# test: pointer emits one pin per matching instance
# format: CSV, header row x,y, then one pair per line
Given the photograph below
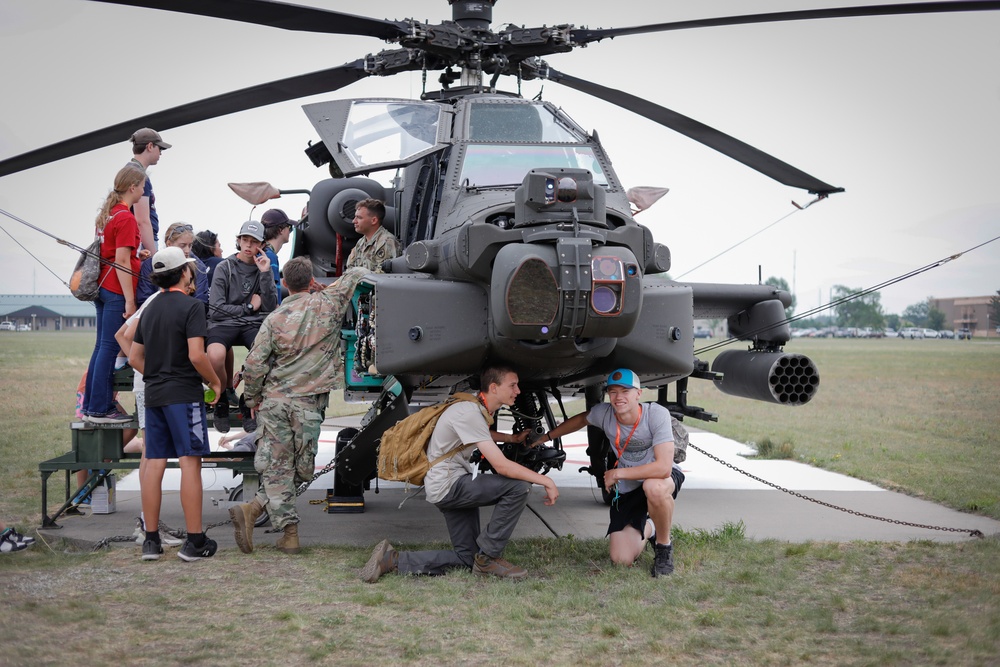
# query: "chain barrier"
x,y
179,534
973,532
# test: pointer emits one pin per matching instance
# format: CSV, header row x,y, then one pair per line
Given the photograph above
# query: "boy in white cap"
x,y
644,480
169,351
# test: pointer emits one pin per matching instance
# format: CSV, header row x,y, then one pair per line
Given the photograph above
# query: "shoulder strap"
x,y
455,398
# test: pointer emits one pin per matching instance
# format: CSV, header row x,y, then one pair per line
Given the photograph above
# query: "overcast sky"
x,y
903,112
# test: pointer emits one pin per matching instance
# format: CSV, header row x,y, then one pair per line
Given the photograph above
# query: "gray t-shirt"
x,y
461,424
653,429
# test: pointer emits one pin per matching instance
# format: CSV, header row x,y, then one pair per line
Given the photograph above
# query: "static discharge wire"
x,y
850,297
240,319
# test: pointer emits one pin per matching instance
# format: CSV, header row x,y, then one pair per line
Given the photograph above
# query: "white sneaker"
x,y
9,544
166,539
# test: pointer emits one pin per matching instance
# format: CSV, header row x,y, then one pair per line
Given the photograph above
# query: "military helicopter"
x,y
520,242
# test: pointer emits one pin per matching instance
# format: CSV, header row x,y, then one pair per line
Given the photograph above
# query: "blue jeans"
x,y
97,397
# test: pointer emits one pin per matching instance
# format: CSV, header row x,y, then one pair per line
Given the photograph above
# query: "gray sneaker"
x,y
384,559
151,550
484,565
663,560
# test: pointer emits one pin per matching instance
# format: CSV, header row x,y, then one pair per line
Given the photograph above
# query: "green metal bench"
x,y
99,448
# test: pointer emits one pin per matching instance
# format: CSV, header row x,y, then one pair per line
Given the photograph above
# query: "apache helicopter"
x,y
520,244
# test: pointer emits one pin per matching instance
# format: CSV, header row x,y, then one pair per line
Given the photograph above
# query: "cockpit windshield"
x,y
380,132
506,164
530,123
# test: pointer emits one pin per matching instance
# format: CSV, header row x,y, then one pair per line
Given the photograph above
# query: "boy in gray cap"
x,y
241,296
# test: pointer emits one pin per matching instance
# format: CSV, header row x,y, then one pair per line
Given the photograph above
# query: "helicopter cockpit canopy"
x,y
370,135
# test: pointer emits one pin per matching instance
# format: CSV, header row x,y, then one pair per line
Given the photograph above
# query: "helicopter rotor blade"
x,y
730,146
282,90
279,15
586,36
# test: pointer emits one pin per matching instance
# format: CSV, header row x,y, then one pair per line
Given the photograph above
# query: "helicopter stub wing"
x,y
220,105
732,147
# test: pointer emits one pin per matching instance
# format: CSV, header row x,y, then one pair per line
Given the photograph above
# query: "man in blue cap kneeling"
x,y
645,480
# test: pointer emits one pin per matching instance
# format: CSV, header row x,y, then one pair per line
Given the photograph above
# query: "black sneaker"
x,y
151,550
191,553
249,421
663,560
221,416
22,539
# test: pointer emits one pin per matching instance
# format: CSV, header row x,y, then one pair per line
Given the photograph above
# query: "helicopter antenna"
x,y
735,245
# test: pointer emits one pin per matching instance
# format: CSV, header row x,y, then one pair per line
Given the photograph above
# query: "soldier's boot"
x,y
289,542
244,517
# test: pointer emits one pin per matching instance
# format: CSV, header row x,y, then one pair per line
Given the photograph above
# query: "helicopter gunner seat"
x,y
331,214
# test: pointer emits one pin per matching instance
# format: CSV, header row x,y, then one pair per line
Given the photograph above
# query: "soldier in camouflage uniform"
x,y
377,243
294,364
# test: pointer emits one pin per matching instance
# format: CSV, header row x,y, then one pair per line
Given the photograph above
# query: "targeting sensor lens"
x,y
604,300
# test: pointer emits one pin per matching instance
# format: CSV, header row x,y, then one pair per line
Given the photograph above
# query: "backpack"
x,y
680,440
402,452
83,283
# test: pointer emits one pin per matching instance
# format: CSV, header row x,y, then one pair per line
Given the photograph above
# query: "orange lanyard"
x,y
618,435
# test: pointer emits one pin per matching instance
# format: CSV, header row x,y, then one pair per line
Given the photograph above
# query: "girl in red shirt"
x,y
119,245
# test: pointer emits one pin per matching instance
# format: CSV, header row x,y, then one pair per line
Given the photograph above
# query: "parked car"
x,y
946,333
889,332
931,333
702,333
24,327
7,326
964,334
911,332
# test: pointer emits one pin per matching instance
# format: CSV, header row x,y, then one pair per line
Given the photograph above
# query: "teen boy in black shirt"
x,y
169,350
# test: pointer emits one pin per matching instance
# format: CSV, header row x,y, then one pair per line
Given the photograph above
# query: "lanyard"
x,y
618,435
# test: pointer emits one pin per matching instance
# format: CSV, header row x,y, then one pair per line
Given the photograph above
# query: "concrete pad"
x,y
713,495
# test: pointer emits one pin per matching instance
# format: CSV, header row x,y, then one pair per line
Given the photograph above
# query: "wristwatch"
x,y
248,307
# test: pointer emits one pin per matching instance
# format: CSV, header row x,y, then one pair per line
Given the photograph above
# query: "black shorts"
x,y
631,509
230,335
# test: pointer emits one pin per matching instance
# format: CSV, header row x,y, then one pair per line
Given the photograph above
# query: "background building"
x,y
972,312
48,312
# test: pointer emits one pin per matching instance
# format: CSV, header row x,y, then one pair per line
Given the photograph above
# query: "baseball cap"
x,y
252,228
170,258
275,217
147,135
624,378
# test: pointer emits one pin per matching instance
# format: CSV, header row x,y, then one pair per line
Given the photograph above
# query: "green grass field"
x,y
918,416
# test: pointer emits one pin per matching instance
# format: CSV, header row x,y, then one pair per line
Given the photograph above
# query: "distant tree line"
x,y
865,310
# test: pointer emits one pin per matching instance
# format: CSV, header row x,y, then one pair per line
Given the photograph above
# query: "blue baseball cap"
x,y
624,378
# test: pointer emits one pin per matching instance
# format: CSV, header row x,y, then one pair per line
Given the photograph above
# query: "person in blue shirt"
x,y
147,146
277,232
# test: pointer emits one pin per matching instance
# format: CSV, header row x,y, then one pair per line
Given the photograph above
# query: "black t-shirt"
x,y
163,330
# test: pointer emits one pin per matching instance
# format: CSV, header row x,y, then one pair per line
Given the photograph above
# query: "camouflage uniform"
x,y
294,364
370,253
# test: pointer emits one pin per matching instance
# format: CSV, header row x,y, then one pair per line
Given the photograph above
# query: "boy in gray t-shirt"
x,y
645,480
